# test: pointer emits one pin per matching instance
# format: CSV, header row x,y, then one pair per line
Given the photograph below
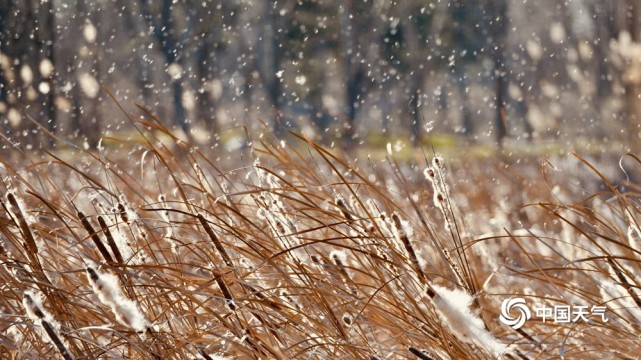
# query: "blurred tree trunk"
x,y
416,62
632,83
524,111
496,20
30,31
206,102
165,34
355,73
28,55
460,78
4,84
320,117
602,13
471,28
500,120
251,78
416,90
130,16
212,38
85,116
442,101
46,40
270,57
355,80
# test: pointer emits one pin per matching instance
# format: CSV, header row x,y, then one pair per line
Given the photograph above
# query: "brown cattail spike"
x,y
123,213
402,235
421,355
110,240
94,236
204,354
56,340
430,174
33,307
344,210
226,292
215,240
30,241
339,264
92,274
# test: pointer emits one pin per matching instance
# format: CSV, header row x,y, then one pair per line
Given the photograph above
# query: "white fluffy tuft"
x,y
454,309
107,288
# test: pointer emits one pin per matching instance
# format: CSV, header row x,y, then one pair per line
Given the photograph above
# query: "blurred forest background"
x,y
485,71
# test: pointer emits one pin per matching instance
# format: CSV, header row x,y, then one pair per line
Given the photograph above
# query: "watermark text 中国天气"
x,y
515,312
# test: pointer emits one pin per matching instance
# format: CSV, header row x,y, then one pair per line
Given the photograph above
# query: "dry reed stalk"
x,y
455,268
629,288
441,197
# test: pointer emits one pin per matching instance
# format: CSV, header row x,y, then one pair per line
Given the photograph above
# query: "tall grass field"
x,y
157,249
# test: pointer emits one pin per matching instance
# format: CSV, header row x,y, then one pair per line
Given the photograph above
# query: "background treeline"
x,y
484,71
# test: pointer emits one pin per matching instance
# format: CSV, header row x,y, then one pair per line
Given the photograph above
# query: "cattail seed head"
x,y
123,213
107,288
418,353
454,308
16,208
347,319
344,210
403,236
430,174
33,307
437,162
94,237
338,257
36,312
110,240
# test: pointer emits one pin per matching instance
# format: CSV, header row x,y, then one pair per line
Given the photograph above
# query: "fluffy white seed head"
x,y
107,288
453,307
33,305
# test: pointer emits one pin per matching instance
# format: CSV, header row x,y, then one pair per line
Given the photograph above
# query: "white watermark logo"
x,y
519,305
556,313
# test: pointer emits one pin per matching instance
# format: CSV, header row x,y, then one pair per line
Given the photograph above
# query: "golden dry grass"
x,y
299,253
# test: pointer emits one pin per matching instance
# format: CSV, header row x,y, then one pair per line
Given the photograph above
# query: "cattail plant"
x,y
340,203
107,288
94,236
214,239
403,236
43,318
25,229
454,308
110,240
